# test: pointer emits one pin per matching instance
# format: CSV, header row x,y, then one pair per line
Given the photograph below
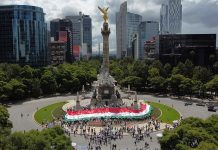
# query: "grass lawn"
x,y
45,113
156,112
58,112
169,114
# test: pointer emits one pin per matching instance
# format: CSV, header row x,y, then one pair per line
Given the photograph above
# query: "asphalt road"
x,y
29,108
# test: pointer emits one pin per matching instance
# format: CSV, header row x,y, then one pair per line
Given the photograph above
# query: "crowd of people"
x,y
113,130
100,133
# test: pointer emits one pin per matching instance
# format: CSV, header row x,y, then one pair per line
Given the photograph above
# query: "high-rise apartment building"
x,y
58,52
146,31
23,35
171,17
126,27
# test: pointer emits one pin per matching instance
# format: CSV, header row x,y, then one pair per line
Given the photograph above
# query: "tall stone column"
x,y
105,33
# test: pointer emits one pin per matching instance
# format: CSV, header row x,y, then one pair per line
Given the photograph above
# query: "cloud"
x,y
199,16
204,12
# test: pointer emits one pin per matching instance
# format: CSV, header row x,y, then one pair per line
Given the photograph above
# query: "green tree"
x,y
215,68
140,69
153,72
192,134
198,88
158,83
18,89
174,83
3,94
27,72
52,138
36,89
188,69
5,125
48,83
11,70
2,75
179,69
167,70
212,85
157,64
186,86
206,146
201,74
133,81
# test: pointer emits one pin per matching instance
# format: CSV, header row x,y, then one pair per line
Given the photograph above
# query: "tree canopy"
x,y
192,134
184,79
18,83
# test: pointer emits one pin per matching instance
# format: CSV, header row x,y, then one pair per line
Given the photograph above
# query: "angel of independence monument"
x,y
105,95
105,91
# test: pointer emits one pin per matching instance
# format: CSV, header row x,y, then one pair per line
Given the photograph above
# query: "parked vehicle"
x,y
212,108
188,103
200,104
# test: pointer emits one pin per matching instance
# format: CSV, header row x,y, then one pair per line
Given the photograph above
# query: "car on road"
x,y
200,104
188,103
211,108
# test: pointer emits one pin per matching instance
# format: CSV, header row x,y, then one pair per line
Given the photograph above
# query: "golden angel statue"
x,y
105,13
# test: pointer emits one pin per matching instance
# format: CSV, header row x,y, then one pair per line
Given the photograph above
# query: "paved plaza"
x,y
126,143
30,107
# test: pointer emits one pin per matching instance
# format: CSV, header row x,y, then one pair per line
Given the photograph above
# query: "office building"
x,y
61,31
146,31
87,36
171,17
81,33
151,48
23,35
54,28
179,47
126,27
58,52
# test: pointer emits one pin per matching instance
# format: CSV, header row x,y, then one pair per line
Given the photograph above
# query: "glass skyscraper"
x,y
87,33
23,35
146,31
171,17
82,33
126,26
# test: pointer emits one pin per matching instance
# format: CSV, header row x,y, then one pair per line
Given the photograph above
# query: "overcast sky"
x,y
199,16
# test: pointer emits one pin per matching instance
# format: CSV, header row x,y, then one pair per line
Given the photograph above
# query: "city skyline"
x,y
194,21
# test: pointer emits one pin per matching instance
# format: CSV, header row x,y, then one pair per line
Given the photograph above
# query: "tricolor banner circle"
x,y
110,113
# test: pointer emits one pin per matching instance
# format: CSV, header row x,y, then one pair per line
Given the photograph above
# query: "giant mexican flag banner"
x,y
113,113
